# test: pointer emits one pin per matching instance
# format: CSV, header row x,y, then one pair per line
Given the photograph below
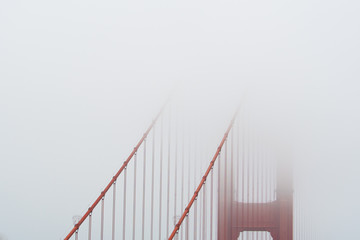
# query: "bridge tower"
x,y
275,216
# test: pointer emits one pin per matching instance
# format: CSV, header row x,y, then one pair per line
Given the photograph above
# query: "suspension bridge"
x,y
172,186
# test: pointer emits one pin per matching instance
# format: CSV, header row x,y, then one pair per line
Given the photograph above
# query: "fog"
x,y
80,81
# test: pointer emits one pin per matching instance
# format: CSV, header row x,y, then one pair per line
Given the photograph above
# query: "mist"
x,y
80,81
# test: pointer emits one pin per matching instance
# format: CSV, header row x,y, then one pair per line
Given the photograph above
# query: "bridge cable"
x,y
256,161
195,204
161,172
219,189
225,189
266,177
143,200
195,219
211,203
168,176
248,177
188,184
231,177
124,206
134,197
204,213
175,168
152,186
89,234
102,220
237,172
113,213
243,172
253,177
262,160
182,179
269,183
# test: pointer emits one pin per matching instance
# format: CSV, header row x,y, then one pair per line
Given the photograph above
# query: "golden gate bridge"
x,y
169,187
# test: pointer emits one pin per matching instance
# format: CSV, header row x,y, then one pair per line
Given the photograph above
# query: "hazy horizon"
x,y
80,82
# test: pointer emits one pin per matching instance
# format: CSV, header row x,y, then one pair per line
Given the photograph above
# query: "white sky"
x,y
81,80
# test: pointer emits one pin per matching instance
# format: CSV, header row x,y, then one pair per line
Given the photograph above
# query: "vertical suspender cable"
x,y
195,204
175,170
275,178
304,221
296,209
253,176
188,187
218,194
237,172
196,161
272,186
134,197
143,200
248,178
102,219
225,190
76,235
231,178
204,213
257,180
161,174
200,214
168,178
298,218
267,189
124,206
261,181
263,186
152,186
199,217
182,178
188,184
267,186
113,213
211,203
301,208
200,208
296,212
243,176
195,219
187,228
89,235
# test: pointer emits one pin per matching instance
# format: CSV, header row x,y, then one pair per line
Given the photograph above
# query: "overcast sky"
x,y
81,80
